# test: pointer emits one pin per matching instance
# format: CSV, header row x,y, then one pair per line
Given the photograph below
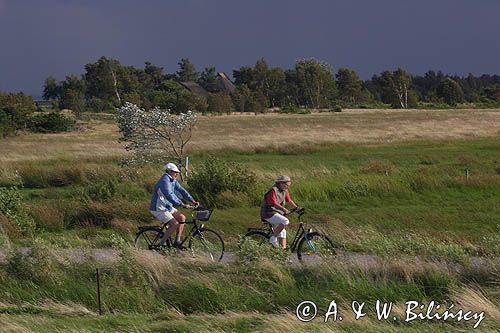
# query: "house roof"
x,y
195,88
225,84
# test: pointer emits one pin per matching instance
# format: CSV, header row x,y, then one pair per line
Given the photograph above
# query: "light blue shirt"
x,y
164,195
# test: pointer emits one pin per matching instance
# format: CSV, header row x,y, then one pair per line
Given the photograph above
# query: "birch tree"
x,y
314,79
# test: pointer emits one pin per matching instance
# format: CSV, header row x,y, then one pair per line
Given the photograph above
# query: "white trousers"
x,y
276,220
164,216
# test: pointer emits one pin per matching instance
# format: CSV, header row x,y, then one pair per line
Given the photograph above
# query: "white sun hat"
x,y
170,167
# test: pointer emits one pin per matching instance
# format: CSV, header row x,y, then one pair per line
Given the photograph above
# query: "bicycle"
x,y
199,239
310,245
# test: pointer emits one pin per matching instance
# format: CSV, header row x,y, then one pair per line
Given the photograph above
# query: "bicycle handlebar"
x,y
299,211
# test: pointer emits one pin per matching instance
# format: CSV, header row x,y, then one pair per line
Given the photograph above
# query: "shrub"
x,y
257,103
52,122
14,112
100,191
13,207
219,103
216,176
43,177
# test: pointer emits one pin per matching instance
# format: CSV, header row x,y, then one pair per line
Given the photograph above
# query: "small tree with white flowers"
x,y
154,135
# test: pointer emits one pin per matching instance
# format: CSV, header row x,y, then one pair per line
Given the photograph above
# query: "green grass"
x,y
345,188
424,207
148,292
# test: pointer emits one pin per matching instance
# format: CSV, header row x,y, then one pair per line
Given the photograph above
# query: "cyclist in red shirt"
x,y
272,209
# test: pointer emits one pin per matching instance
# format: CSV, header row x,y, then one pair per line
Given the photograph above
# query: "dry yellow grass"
x,y
248,131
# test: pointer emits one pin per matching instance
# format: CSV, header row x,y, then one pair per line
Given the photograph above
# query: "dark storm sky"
x,y
39,38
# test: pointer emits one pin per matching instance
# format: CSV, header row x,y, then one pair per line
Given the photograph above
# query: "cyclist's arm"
x,y
185,194
168,191
293,204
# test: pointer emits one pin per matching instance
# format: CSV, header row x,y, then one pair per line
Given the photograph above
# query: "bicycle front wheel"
x,y
207,243
315,246
148,239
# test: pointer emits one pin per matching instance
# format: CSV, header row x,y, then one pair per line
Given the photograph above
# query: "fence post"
x,y
98,290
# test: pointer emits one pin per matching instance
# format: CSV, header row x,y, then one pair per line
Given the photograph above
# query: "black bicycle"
x,y
200,240
310,245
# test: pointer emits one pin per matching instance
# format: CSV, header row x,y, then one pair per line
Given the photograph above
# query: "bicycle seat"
x,y
265,222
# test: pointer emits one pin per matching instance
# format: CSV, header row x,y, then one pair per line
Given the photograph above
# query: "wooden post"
x,y
98,290
467,173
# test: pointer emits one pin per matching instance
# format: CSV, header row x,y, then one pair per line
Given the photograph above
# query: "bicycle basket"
x,y
203,215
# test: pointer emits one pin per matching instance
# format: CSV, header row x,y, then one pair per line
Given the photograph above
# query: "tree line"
x,y
107,84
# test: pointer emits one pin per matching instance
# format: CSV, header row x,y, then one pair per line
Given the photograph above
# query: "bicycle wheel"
x,y
207,243
258,237
314,246
148,239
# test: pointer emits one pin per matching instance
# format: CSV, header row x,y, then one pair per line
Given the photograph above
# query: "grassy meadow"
x,y
389,187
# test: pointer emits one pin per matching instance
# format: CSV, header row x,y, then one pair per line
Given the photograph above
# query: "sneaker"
x,y
274,241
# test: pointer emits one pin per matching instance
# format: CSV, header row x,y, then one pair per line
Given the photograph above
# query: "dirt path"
x,y
109,256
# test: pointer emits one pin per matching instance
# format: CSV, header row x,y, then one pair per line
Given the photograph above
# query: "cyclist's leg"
x,y
168,219
181,219
282,238
279,222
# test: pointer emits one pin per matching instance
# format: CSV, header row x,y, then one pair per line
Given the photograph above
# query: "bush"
x,y
14,209
216,176
219,103
52,122
43,177
100,191
14,112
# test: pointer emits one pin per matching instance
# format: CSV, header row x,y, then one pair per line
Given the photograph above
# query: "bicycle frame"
x,y
301,232
194,229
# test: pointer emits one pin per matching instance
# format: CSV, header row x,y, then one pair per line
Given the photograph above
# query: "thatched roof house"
x,y
195,88
225,85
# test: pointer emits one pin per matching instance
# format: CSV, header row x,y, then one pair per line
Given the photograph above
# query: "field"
x,y
389,186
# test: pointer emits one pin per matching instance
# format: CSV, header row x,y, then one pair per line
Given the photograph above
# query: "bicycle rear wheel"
x,y
148,239
259,237
207,243
314,247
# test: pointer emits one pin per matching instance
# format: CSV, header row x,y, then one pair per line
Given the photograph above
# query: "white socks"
x,y
273,240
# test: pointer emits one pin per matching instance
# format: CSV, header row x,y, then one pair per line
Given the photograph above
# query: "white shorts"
x,y
277,219
164,216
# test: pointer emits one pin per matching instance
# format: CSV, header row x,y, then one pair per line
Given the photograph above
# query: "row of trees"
x,y
17,113
107,84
